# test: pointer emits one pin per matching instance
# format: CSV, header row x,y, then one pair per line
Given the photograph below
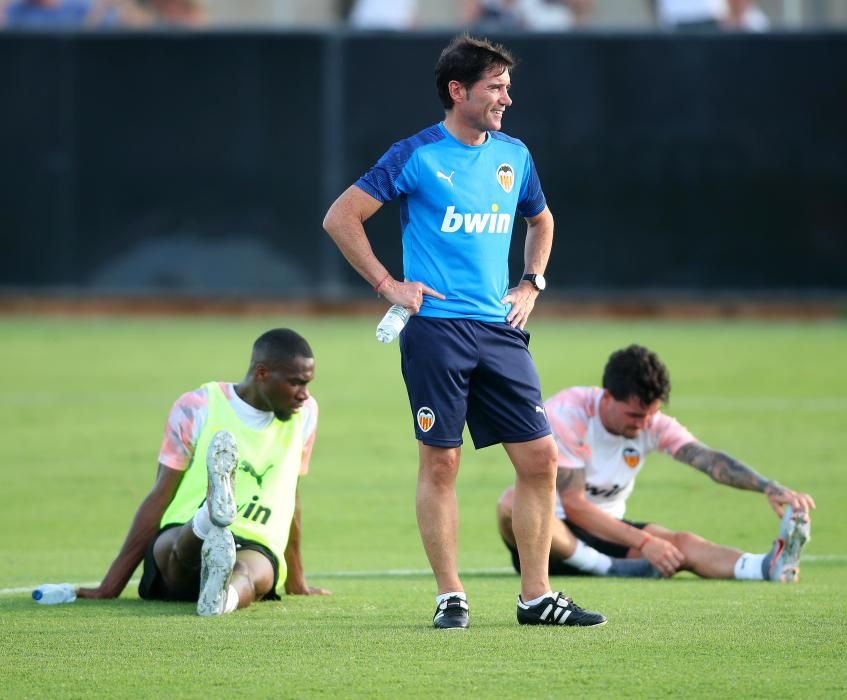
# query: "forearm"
x,y
344,222
724,469
570,483
356,249
539,242
295,581
143,529
602,525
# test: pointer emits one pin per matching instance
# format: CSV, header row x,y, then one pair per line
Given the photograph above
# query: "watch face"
x,y
536,281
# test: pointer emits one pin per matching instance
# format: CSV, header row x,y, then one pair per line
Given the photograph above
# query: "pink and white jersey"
x,y
190,411
611,462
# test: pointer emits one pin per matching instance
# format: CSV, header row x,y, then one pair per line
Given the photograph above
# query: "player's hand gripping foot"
x,y
794,532
451,614
217,557
558,610
221,462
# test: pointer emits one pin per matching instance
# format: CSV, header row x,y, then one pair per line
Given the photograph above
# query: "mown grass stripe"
x,y
407,573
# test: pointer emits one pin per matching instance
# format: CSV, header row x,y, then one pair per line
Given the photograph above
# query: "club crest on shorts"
x,y
632,457
506,177
426,418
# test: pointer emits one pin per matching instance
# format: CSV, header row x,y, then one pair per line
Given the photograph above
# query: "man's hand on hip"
x,y
522,298
408,294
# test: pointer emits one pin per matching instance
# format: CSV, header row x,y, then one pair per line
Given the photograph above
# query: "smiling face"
x,y
284,388
479,107
628,417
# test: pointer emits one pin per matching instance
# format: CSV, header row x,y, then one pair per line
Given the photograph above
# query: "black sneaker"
x,y
558,610
451,614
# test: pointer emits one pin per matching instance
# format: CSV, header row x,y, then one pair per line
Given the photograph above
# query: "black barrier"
x,y
203,163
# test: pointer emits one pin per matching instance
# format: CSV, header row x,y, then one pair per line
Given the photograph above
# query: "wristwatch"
x,y
537,281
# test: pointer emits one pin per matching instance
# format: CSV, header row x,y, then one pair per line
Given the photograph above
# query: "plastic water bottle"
x,y
392,323
54,593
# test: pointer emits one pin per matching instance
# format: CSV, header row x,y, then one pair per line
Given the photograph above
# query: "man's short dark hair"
x,y
280,346
467,59
637,371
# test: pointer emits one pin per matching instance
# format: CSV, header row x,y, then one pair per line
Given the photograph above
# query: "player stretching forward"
x,y
465,354
603,436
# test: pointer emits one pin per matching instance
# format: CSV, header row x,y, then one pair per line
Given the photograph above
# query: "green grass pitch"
x,y
82,407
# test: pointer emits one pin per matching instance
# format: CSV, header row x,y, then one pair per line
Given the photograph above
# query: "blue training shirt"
x,y
457,210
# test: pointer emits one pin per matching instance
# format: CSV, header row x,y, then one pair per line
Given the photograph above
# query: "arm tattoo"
x,y
723,468
570,480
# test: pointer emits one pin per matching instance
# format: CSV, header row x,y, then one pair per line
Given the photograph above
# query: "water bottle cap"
x,y
37,594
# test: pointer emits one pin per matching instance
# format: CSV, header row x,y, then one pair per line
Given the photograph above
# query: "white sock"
x,y
536,601
231,599
749,567
439,599
201,522
587,558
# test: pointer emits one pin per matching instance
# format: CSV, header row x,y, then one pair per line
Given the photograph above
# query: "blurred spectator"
x,y
485,15
176,13
66,14
57,14
553,15
396,15
710,15
532,15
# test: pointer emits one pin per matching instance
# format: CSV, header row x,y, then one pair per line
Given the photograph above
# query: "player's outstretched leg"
x,y
221,463
783,562
217,558
556,609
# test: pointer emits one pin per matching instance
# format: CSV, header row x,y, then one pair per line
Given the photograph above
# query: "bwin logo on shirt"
x,y
255,511
489,222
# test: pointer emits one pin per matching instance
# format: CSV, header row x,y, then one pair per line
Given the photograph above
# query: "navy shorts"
x,y
152,585
458,370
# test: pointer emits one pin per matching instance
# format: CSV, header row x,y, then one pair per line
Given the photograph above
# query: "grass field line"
x,y
740,403
401,573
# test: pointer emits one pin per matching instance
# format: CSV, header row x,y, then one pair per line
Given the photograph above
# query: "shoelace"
x,y
569,602
452,604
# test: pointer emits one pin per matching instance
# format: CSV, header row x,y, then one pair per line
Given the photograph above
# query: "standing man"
x,y
464,353
201,538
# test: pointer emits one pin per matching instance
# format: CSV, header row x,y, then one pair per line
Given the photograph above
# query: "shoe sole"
x,y
798,529
217,560
539,623
451,627
221,462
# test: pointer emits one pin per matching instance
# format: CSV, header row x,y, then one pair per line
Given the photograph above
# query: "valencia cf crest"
x,y
506,177
632,457
426,418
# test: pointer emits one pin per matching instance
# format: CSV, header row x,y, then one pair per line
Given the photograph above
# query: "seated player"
x,y
603,437
204,539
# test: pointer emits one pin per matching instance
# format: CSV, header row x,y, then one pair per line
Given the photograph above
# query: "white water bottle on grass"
x,y
54,593
392,323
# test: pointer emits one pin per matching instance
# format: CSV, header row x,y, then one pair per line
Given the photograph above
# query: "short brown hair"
x,y
637,371
467,59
